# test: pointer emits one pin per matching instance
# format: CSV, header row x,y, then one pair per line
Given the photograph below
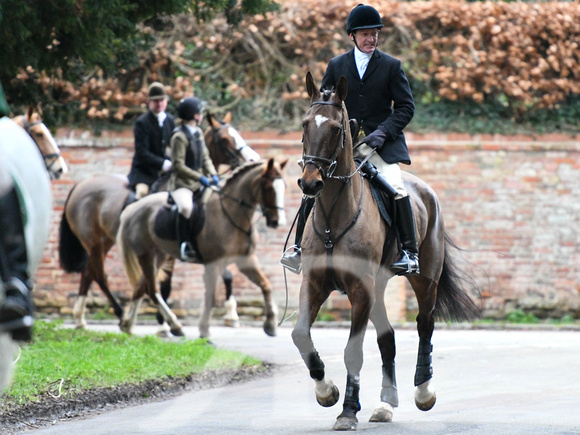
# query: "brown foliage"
x,y
524,55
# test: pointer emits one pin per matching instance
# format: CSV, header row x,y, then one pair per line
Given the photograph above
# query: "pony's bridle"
x,y
234,155
49,159
318,161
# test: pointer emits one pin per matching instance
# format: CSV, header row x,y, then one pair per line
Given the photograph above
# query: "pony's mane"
x,y
245,168
326,94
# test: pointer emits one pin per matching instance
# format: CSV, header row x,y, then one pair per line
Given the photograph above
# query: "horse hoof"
x,y
425,396
345,423
426,406
232,323
330,400
382,414
178,332
270,329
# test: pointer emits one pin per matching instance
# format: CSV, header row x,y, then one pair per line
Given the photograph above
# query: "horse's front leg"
x,y
386,342
311,300
231,317
361,300
210,277
250,267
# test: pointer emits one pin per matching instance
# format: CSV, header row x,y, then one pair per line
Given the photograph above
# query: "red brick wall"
x,y
513,202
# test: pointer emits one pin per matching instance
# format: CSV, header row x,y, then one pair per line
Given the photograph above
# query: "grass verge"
x,y
65,362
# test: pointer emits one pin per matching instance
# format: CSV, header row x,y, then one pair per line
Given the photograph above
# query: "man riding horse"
x,y
375,81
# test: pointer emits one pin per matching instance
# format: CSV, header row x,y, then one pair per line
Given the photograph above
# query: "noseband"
x,y
331,162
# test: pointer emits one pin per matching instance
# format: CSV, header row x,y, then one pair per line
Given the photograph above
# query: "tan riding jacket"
x,y
182,175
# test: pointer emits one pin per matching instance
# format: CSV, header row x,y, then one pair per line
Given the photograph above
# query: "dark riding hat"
x,y
363,17
188,107
156,91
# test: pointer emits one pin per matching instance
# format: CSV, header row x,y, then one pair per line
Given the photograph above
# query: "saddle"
x,y
167,220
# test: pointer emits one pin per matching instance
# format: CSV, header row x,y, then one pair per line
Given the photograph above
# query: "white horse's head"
x,y
40,134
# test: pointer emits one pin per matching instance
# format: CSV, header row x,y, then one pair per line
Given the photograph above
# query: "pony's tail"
x,y
453,301
72,255
130,261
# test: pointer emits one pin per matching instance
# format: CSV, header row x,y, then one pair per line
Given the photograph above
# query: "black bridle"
x,y
318,161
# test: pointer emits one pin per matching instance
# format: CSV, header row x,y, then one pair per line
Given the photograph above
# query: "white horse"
x,y
29,158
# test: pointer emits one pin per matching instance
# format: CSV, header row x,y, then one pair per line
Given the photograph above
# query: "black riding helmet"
x,y
188,107
363,17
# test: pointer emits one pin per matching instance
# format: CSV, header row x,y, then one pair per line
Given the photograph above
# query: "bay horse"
x,y
227,237
90,222
30,158
344,249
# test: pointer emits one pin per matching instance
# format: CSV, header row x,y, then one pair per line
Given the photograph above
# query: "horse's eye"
x,y
335,130
304,124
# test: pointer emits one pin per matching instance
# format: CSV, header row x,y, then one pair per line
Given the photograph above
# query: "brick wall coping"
x,y
552,141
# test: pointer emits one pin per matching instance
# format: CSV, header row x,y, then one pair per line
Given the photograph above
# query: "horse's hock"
x,y
512,202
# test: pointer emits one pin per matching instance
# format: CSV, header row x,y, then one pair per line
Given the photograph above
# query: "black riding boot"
x,y
293,261
408,261
16,306
186,250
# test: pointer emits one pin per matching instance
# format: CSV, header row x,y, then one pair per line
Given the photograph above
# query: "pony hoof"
x,y
232,323
345,423
330,400
382,414
178,332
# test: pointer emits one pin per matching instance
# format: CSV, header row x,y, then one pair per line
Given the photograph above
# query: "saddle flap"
x,y
384,203
166,221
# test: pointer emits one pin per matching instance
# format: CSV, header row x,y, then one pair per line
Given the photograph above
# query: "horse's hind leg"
x,y
147,262
164,275
80,306
231,317
425,290
97,265
386,341
310,302
250,267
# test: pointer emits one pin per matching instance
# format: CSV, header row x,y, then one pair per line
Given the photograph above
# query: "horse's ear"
x,y
228,117
311,88
283,163
341,88
29,113
213,123
270,165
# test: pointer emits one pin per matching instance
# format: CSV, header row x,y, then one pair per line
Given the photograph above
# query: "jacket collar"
x,y
373,63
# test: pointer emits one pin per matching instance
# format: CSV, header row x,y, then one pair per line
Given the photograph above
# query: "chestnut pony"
x,y
346,247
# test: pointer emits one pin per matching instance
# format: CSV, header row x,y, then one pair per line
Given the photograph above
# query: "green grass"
x,y
77,360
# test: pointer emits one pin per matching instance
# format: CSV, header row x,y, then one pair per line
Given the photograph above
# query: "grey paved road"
x,y
487,382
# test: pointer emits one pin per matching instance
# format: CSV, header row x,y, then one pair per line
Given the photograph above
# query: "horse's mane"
x,y
245,168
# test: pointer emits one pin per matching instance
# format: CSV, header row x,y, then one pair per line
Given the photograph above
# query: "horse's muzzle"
x,y
311,188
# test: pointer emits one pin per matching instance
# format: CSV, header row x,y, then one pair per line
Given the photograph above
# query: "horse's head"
x,y
225,144
40,134
325,134
272,187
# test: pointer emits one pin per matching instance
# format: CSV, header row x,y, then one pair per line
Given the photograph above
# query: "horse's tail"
x,y
130,261
453,302
72,254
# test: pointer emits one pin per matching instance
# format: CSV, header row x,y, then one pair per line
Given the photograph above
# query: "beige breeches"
x,y
391,172
184,200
